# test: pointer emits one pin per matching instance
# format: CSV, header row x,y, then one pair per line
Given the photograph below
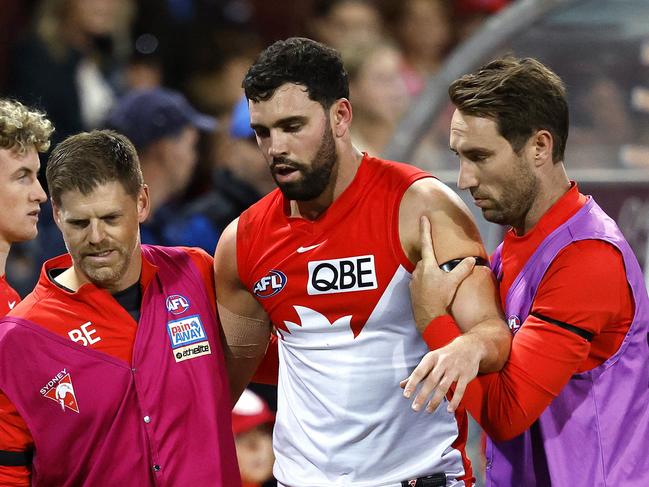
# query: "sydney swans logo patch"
x,y
60,390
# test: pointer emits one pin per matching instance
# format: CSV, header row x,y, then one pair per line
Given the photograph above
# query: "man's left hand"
x,y
457,362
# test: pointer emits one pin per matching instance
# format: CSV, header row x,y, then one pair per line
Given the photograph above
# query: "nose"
x,y
277,146
38,193
466,179
96,231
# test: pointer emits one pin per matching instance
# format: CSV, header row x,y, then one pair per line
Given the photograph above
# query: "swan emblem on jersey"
x,y
315,329
60,389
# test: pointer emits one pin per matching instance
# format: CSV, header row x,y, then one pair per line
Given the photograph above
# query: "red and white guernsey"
x,y
336,290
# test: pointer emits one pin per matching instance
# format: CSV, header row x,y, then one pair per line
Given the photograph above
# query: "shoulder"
x,y
200,258
589,259
434,199
394,172
41,305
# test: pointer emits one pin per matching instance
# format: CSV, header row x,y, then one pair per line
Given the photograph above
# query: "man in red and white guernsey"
x,y
23,134
111,370
327,260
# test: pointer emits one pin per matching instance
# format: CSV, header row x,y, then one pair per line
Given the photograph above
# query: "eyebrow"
x,y
26,169
281,122
111,214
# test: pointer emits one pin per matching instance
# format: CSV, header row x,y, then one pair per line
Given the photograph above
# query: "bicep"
x,y
230,291
454,235
454,231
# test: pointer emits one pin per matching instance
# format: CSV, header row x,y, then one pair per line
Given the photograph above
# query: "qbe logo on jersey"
x,y
188,338
342,275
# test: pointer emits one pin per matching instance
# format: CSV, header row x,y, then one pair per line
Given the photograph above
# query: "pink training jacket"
x,y
164,420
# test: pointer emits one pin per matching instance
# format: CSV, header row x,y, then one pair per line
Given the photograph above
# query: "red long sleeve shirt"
x,y
115,326
585,286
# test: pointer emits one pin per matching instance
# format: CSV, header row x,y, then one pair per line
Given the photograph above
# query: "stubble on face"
x,y
516,197
103,275
315,177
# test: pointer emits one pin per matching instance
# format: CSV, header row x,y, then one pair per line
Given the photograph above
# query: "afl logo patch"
x,y
177,304
514,323
270,284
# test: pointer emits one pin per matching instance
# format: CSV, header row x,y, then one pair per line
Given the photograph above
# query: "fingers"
x,y
426,241
458,394
463,270
440,392
422,370
432,383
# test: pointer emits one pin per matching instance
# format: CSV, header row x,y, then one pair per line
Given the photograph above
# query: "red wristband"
x,y
440,331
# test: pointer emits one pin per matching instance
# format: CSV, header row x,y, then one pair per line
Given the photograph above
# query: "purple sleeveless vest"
x,y
596,432
161,421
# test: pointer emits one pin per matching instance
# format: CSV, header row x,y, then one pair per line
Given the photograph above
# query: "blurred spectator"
x,y
378,93
221,64
70,62
346,24
164,128
241,156
13,20
425,34
238,179
469,15
252,422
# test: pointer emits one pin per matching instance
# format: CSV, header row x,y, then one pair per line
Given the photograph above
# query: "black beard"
x,y
314,178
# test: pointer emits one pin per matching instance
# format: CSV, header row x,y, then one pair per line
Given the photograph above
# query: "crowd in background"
x,y
80,60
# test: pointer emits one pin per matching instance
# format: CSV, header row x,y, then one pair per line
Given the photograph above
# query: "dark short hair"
x,y
521,96
301,61
86,160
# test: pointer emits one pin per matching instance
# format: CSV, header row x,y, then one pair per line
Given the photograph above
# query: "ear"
x,y
340,115
143,203
56,213
542,145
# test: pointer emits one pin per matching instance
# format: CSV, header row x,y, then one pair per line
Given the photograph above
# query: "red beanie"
x,y
250,411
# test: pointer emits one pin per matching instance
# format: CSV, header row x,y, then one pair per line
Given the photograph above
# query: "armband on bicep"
x,y
451,264
245,337
16,458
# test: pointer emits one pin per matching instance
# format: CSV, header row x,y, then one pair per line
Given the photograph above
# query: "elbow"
x,y
503,346
498,354
504,429
502,434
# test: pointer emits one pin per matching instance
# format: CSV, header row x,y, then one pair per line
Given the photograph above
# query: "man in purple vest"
x,y
111,370
571,406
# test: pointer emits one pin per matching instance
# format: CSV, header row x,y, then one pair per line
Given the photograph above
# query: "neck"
x,y
549,192
375,131
341,177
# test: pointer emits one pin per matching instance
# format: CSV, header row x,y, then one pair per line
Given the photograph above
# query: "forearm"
x,y
492,341
240,373
245,340
543,358
268,370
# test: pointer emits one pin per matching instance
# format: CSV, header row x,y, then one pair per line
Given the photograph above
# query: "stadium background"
x,y
75,59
